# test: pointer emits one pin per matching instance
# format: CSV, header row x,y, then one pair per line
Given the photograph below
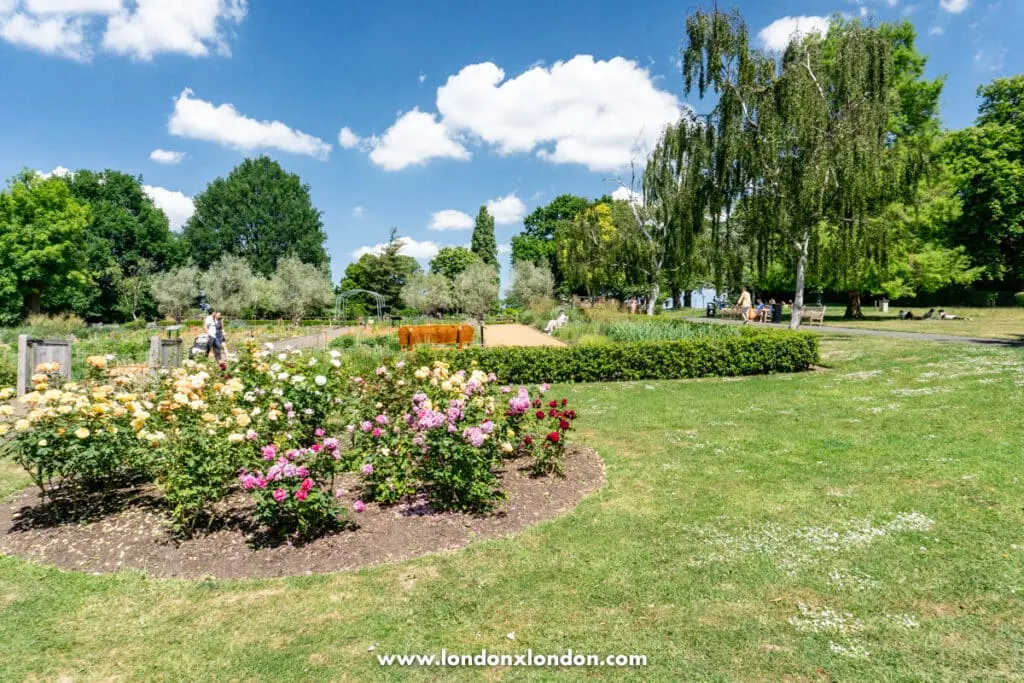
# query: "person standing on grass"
x,y
743,304
220,333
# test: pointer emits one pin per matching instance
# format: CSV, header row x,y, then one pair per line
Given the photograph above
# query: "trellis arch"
x,y
341,302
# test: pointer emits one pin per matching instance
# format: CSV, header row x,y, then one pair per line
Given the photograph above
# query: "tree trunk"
x,y
853,311
32,302
801,274
687,299
652,298
677,298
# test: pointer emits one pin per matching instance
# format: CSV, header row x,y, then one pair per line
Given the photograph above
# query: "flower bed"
x,y
201,432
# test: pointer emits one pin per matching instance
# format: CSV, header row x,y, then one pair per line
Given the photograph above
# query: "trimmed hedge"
x,y
752,353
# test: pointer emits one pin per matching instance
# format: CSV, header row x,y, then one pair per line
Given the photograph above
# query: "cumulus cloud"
x,y
623,193
776,35
358,212
507,210
415,138
450,219
954,6
602,114
56,35
410,247
936,31
59,172
347,139
177,206
225,125
163,156
140,29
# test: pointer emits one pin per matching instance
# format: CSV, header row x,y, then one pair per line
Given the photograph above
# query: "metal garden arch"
x,y
341,302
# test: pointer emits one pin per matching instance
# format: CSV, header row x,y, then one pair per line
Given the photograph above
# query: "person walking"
x,y
743,304
220,334
210,324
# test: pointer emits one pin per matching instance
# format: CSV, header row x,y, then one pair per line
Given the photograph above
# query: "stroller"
x,y
200,347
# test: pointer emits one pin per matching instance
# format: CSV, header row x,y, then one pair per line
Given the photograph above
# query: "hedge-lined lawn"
x,y
861,523
990,323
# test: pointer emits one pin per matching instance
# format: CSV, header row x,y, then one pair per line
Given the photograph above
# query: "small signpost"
x,y
165,354
33,352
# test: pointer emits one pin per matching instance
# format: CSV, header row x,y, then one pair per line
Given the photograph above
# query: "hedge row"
x,y
753,353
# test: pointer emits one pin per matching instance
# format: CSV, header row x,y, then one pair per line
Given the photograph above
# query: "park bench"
x,y
815,314
411,335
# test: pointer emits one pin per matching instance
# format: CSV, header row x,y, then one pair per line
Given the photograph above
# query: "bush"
x,y
1018,298
664,330
63,325
753,352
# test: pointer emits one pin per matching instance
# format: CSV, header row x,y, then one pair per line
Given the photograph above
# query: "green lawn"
x,y
991,323
859,523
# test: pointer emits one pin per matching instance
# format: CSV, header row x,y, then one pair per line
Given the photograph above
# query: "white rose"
x,y
320,380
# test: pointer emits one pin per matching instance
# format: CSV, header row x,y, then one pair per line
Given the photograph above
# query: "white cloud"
x,y
72,6
504,248
56,35
776,35
138,28
189,27
450,219
163,156
178,207
410,247
595,113
624,194
507,210
413,139
954,6
358,212
347,139
423,77
602,114
59,172
224,125
936,31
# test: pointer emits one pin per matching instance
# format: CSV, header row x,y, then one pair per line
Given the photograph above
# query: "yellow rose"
x,y
236,438
21,425
82,433
209,417
243,420
3,429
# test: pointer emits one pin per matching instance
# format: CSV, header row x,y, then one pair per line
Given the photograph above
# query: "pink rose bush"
x,y
293,495
443,432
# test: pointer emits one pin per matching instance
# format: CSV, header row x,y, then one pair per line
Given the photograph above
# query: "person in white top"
x,y
210,325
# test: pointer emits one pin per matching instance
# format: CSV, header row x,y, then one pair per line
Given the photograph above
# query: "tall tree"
x,y
988,167
43,262
801,137
176,290
450,261
536,243
259,212
532,286
125,230
231,286
385,273
588,248
431,293
483,244
301,288
476,289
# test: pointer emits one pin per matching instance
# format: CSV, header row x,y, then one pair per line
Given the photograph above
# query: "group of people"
x,y
930,315
760,312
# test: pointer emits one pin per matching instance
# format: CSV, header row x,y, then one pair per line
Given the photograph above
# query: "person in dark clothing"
x,y
929,315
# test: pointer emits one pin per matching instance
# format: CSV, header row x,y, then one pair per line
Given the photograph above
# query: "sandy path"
x,y
517,335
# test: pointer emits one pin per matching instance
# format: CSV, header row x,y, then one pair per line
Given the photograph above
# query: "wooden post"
x,y
154,352
24,371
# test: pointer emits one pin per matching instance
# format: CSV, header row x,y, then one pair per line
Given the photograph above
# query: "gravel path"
x,y
913,336
517,335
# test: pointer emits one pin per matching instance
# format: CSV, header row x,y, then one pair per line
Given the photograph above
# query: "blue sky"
x,y
398,113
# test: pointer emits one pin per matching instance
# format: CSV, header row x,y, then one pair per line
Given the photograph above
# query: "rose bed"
x,y
130,531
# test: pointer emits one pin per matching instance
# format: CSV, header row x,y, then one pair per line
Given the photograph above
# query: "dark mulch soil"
x,y
129,530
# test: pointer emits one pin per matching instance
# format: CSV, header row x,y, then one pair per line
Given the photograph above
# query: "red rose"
x,y
536,403
528,439
565,401
540,414
553,404
552,413
564,424
553,437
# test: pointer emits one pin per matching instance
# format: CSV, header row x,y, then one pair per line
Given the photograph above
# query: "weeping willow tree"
x,y
661,225
586,249
800,140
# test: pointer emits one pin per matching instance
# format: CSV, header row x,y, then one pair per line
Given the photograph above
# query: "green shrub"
x,y
1018,298
752,352
664,330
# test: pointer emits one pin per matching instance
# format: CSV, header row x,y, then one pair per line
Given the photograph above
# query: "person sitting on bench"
x,y
557,322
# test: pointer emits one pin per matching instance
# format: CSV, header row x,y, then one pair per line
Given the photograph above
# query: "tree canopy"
x,y
484,244
450,261
259,212
385,273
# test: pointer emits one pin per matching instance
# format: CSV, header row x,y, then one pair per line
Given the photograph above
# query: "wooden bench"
x,y
411,335
814,314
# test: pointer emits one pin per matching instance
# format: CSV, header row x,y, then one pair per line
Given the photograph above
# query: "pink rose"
x,y
301,494
359,506
280,495
377,432
319,431
366,469
306,484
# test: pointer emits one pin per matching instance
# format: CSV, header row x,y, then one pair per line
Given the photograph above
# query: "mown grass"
x,y
990,323
729,503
